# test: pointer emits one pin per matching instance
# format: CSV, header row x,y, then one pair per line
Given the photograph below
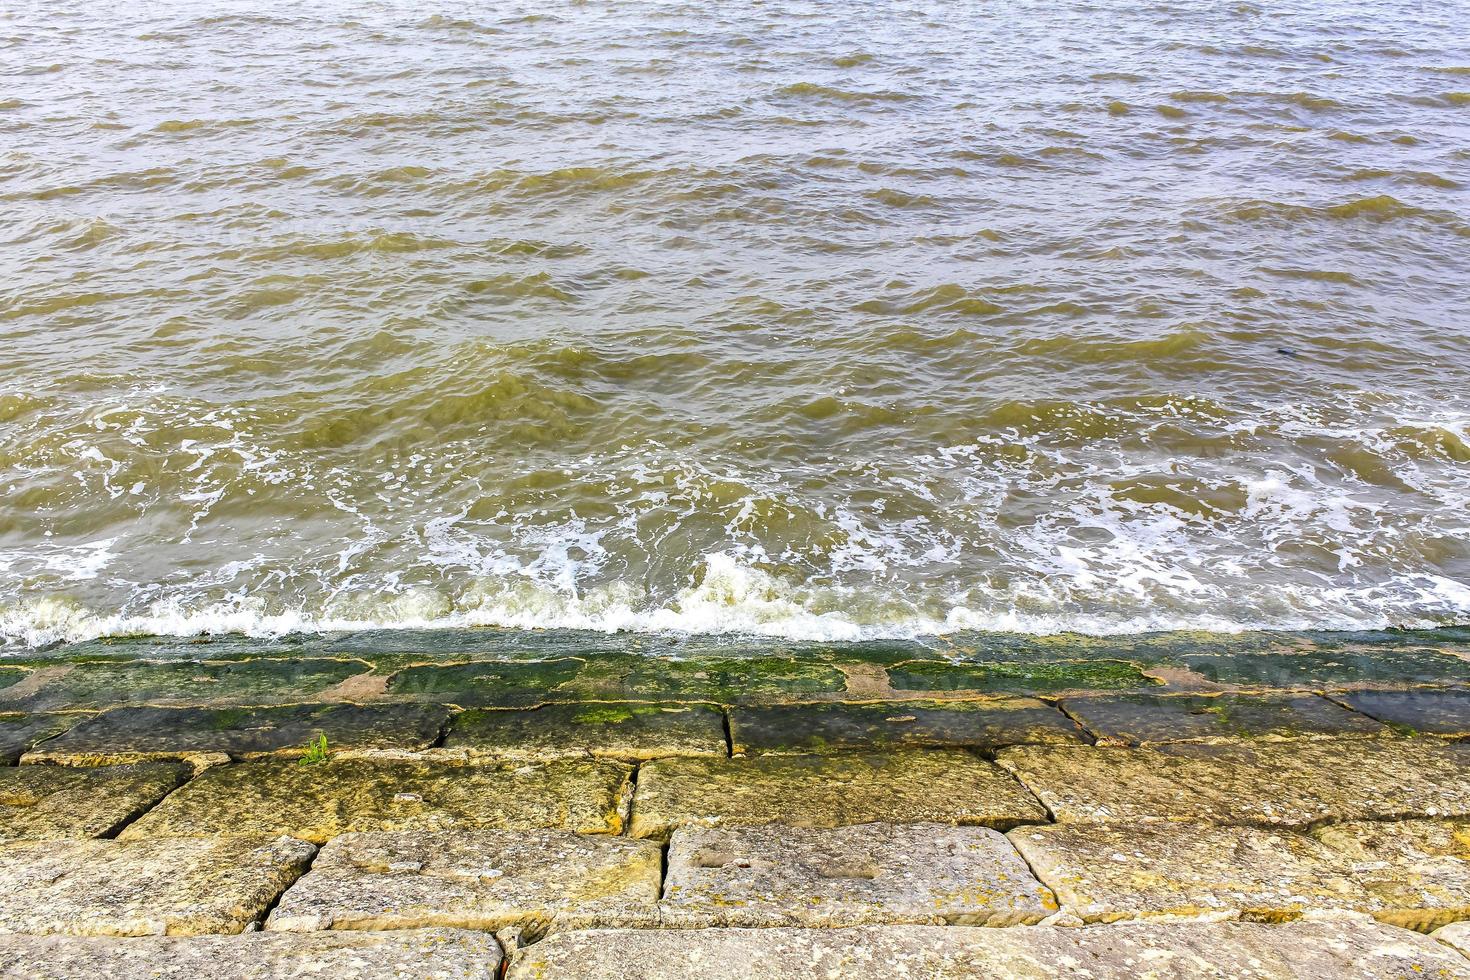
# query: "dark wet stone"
x,y
1035,677
263,681
488,683
1137,719
1427,711
1329,669
11,675
18,732
132,734
614,730
795,729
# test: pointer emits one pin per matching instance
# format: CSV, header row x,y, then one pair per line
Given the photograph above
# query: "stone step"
x,y
1291,783
1309,950
318,802
1418,871
145,888
58,802
484,879
424,954
940,786
869,873
616,730
20,731
1142,719
1443,712
134,734
885,726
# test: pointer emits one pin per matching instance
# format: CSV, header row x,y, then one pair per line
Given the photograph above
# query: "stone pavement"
x,y
1175,806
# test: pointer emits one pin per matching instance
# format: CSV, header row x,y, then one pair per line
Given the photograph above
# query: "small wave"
x,y
828,93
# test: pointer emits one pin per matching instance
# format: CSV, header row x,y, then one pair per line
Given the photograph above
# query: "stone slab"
x,y
423,954
1193,951
727,680
477,879
1456,934
185,682
145,888
134,734
1111,872
56,802
804,728
1140,719
18,732
488,683
1288,783
1417,870
618,730
318,802
925,874
1422,710
1031,677
1344,668
939,786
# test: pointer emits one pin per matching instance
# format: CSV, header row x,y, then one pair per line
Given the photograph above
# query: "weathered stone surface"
x,y
423,954
828,791
318,802
1430,711
134,734
1118,952
729,680
870,873
478,879
55,802
488,683
618,730
1456,934
213,682
796,729
1289,783
1328,669
1024,677
144,888
1137,719
1108,872
1417,870
18,732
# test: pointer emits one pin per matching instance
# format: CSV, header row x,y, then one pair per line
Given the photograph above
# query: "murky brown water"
x,y
805,319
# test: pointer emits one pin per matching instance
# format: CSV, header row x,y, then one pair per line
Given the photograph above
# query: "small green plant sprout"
x,y
316,751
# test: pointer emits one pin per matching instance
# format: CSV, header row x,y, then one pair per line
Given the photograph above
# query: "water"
x,y
808,320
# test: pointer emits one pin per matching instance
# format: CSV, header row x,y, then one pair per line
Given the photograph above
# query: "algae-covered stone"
x,y
10,676
733,680
487,683
795,729
56,802
318,802
1289,783
132,734
474,879
1319,669
1027,677
1139,719
869,873
1153,951
1429,711
145,888
1108,872
18,732
616,730
829,791
213,682
1417,870
424,954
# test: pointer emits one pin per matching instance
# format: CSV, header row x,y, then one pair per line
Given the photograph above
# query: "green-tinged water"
x,y
819,321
